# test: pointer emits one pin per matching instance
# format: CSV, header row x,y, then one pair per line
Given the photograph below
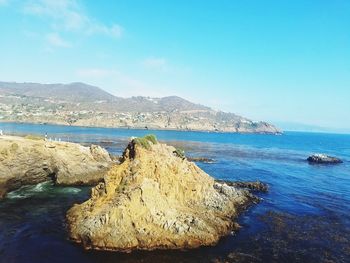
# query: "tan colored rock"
x,y
155,200
30,161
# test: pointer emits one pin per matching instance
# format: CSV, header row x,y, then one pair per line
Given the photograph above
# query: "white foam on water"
x,y
40,187
29,190
18,195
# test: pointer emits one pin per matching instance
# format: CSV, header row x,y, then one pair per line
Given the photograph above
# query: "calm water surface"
x,y
305,217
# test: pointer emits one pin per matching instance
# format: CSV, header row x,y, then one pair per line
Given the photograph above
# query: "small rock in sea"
x,y
253,186
200,159
323,159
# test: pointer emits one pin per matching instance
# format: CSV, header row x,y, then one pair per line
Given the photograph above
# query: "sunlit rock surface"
x,y
33,160
155,199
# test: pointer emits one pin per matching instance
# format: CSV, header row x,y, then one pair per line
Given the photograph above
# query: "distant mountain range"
x,y
302,127
85,105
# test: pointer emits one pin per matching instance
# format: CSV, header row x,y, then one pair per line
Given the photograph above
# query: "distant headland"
x,y
79,104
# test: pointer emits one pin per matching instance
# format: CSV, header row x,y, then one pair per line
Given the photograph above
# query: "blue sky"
x,y
280,61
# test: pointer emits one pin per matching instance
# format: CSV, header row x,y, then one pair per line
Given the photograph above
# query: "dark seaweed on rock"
x,y
200,159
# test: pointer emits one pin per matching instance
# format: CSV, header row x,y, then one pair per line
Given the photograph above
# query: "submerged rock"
x,y
253,186
155,199
200,159
323,159
26,161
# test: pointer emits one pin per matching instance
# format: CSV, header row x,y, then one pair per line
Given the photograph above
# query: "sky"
x,y
287,62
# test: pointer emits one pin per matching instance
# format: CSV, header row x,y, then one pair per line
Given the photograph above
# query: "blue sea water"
x,y
305,216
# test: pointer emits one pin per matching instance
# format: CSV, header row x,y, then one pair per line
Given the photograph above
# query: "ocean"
x,y
305,216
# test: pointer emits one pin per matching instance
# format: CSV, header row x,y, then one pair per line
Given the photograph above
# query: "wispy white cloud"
x,y
55,40
69,15
3,2
155,63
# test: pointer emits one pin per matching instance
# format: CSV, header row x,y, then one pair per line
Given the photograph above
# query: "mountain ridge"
x,y
81,104
78,91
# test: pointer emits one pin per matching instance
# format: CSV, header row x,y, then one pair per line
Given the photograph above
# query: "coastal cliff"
x,y
79,104
156,199
33,160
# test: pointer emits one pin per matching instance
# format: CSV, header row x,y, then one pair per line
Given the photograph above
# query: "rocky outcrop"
x,y
33,160
323,159
155,199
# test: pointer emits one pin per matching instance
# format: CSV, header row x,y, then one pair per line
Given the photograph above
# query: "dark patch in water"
x,y
285,237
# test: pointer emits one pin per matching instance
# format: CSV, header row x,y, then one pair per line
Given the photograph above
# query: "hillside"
x,y
82,93
86,105
72,92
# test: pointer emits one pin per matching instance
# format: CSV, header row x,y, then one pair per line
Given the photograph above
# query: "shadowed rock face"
x,y
155,200
31,161
323,159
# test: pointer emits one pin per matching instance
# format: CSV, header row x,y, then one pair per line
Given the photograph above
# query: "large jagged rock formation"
x,y
33,160
155,199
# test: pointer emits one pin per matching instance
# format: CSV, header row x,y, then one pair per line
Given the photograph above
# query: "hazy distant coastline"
x,y
279,132
79,104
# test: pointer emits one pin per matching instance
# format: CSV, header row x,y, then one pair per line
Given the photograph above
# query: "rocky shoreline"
x,y
151,199
102,124
31,160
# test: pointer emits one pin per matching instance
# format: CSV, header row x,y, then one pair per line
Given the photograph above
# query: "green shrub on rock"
x,y
145,141
152,138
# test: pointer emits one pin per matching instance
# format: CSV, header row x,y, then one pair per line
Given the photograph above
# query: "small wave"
x,y
29,190
40,187
18,195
